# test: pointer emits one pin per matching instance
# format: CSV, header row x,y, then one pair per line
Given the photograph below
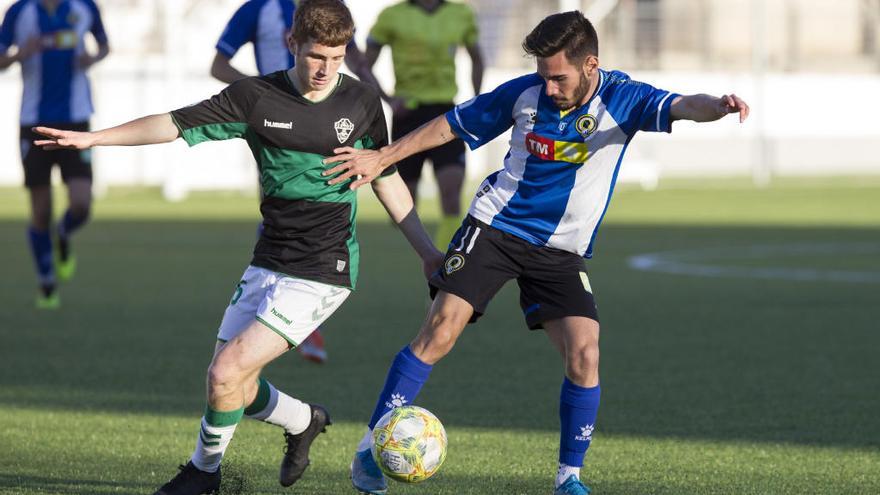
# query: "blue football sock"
x,y
70,224
577,416
41,248
405,378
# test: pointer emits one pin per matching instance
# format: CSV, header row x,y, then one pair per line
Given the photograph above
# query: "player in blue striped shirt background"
x,y
50,39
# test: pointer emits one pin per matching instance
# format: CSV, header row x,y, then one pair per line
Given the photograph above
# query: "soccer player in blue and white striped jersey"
x,y
50,40
535,220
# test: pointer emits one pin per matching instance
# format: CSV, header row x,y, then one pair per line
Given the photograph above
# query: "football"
x,y
409,444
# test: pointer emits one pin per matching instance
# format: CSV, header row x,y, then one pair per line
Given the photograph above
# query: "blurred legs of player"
x,y
76,171
448,162
312,349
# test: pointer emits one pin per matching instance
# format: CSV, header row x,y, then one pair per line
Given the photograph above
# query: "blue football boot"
x,y
572,486
366,477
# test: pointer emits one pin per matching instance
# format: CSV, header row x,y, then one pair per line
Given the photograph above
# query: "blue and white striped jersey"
x,y
560,171
265,24
56,89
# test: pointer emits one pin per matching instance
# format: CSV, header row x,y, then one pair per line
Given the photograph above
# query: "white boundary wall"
x,y
807,124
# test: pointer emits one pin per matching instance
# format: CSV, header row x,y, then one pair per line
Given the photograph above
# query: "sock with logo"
x,y
577,416
41,248
445,230
405,378
214,436
277,408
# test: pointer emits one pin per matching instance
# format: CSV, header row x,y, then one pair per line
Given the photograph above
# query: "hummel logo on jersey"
x,y
343,128
397,400
277,125
281,317
586,434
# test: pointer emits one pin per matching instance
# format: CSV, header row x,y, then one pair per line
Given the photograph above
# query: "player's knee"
x,y
223,378
583,362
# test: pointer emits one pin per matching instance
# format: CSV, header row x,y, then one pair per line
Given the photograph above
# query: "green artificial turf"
x,y
731,384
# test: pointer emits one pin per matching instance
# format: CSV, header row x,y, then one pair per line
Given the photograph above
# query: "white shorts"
x,y
292,307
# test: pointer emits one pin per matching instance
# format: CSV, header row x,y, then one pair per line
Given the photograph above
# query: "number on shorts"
x,y
239,290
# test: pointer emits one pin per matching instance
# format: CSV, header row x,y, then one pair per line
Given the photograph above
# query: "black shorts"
x,y
481,259
450,154
38,162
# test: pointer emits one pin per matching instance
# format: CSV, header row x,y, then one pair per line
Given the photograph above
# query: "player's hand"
x,y
431,264
734,104
85,61
32,46
60,139
361,165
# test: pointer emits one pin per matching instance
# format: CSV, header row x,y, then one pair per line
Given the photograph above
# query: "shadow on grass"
x,y
694,357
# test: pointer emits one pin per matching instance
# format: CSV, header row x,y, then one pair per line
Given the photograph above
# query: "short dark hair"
x,y
327,22
569,31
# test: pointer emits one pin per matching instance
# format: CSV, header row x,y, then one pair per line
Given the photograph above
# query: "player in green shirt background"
x,y
424,36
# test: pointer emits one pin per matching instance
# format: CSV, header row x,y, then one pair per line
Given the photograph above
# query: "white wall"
x,y
808,124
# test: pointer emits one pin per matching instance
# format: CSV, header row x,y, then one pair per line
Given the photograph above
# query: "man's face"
x,y
316,64
567,83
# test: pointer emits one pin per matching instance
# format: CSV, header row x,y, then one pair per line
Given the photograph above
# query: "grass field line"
x,y
693,262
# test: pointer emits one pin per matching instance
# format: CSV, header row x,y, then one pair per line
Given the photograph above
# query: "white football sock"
x,y
284,411
211,445
565,471
366,442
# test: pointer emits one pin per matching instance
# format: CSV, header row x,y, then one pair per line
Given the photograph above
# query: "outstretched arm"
x,y
368,164
706,108
152,129
395,197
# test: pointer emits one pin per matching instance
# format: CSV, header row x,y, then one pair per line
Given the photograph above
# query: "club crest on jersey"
x,y
454,263
585,125
343,129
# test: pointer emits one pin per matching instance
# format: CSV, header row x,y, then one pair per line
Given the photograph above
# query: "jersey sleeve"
x,y
469,24
638,106
382,32
241,29
378,134
486,116
97,28
223,116
7,29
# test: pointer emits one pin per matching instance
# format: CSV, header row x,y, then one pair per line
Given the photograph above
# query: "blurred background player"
x,y
50,40
265,25
424,36
535,220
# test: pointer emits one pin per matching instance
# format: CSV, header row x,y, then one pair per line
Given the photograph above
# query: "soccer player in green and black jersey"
x,y
306,261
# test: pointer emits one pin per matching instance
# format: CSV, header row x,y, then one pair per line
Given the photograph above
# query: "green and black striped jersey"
x,y
308,225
